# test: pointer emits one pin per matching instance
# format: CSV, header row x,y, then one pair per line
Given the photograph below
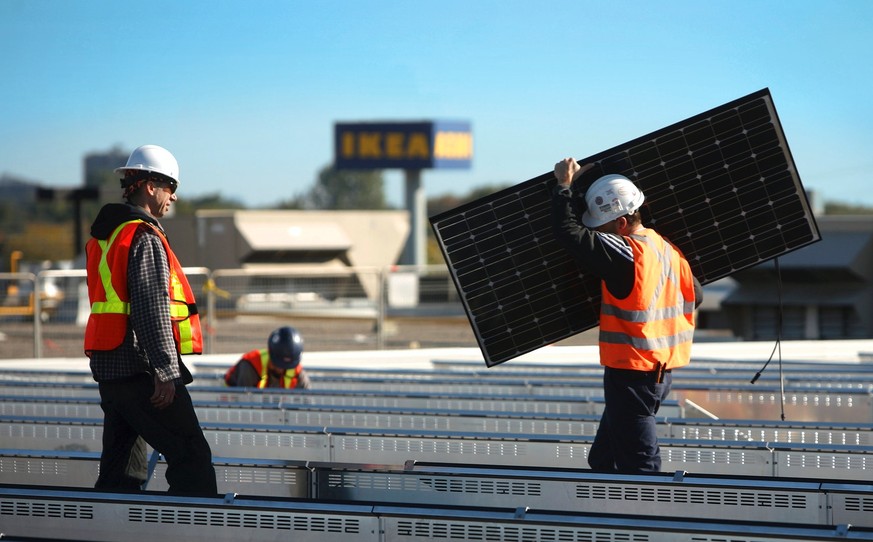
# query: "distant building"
x,y
826,289
710,314
291,240
340,253
100,166
17,190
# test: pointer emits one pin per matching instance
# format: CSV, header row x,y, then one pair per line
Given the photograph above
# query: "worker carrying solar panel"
x,y
277,366
646,315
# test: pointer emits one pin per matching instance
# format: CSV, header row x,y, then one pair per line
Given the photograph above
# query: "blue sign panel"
x,y
403,145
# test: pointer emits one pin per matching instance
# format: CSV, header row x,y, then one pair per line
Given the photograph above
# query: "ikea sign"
x,y
403,145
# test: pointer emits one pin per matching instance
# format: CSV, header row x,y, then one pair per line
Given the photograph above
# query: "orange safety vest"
x,y
260,360
655,323
110,300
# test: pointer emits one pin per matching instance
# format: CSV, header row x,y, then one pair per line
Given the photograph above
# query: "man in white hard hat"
x,y
143,317
646,316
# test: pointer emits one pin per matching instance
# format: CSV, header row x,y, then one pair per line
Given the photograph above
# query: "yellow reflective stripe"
x,y
110,307
265,372
113,303
176,285
179,310
186,342
290,377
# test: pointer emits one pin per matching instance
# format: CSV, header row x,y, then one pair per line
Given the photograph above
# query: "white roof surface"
x,y
848,351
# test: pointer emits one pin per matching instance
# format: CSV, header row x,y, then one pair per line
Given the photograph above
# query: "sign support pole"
x,y
415,252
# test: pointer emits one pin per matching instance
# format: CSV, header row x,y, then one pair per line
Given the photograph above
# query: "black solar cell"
x,y
721,185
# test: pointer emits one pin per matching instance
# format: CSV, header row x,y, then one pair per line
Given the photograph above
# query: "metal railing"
x,y
364,308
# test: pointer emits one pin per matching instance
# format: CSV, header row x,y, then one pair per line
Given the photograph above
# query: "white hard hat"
x,y
610,197
154,159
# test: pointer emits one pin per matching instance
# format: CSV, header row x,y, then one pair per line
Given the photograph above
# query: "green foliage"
x,y
447,202
292,204
15,215
839,208
188,206
42,241
343,189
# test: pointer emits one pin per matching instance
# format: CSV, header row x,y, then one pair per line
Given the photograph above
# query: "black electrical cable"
x,y
778,345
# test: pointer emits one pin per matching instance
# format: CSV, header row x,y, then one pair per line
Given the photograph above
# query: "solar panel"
x,y
721,185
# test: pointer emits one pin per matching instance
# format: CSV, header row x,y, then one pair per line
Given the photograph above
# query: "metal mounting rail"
x,y
658,495
530,404
696,363
97,516
477,421
576,387
351,445
448,369
855,378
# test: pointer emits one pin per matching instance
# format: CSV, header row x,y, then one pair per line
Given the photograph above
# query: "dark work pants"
x,y
174,432
627,438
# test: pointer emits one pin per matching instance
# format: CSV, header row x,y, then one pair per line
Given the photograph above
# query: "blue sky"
x,y
245,93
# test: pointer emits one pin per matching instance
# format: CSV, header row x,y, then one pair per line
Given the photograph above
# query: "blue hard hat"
x,y
285,346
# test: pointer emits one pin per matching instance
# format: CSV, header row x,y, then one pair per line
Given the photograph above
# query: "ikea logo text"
x,y
377,145
416,145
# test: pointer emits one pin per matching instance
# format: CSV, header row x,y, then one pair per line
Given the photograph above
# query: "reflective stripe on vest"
x,y
265,369
108,321
643,343
183,311
180,313
667,273
113,303
289,377
640,333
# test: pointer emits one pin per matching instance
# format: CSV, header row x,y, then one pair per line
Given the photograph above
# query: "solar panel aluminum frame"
x,y
721,185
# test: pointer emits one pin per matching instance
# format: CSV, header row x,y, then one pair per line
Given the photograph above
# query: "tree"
x,y
295,203
840,208
189,205
346,189
44,241
447,202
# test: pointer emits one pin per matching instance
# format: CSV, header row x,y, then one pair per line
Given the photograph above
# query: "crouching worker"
x,y
277,366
